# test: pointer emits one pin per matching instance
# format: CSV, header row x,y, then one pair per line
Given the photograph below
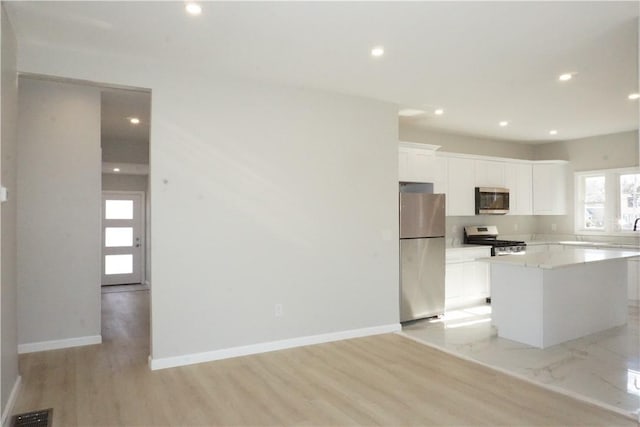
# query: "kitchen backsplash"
x,y
522,228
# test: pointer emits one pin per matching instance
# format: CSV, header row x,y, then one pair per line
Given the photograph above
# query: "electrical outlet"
x,y
515,227
278,310
553,227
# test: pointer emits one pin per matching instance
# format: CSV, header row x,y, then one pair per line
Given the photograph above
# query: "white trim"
x,y
190,359
418,145
551,387
33,347
448,154
11,402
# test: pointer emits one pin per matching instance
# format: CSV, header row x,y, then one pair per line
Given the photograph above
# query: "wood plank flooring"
x,y
383,380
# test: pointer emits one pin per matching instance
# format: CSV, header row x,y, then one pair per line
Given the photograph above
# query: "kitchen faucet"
x,y
635,224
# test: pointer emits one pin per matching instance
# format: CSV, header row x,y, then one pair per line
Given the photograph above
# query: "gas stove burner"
x,y
488,235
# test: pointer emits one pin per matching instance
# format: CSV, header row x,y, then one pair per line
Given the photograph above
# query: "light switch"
x,y
4,194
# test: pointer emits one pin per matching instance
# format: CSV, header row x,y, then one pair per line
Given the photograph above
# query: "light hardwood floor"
x,y
383,380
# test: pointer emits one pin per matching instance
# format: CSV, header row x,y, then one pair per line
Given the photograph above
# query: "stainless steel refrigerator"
x,y
422,252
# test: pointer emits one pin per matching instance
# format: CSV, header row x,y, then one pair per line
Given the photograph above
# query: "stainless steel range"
x,y
488,235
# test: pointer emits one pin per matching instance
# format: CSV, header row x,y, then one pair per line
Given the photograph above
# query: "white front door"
x,y
122,237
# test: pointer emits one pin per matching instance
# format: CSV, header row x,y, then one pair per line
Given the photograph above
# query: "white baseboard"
x,y
11,402
33,347
190,359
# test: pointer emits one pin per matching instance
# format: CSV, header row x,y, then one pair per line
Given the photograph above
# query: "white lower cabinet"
x,y
466,278
634,280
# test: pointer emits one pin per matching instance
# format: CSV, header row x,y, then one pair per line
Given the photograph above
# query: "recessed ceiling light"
x,y
377,51
116,169
553,132
193,9
134,120
410,112
634,96
565,77
503,123
439,112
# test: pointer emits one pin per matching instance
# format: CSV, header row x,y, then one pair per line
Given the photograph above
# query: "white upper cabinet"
x,y
416,162
440,175
461,187
549,188
490,173
535,187
518,180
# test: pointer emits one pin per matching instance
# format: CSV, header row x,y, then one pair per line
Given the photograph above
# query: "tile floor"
x,y
603,368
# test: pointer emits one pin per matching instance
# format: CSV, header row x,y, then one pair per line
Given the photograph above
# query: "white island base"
x,y
546,299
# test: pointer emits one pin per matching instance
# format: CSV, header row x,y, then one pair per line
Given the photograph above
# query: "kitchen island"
x,y
547,298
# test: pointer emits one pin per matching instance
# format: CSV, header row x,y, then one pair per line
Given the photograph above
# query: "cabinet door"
x,y
440,178
549,189
476,280
634,279
421,165
415,165
489,173
461,187
518,181
454,289
403,165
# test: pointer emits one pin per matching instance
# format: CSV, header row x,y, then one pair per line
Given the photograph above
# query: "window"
x,y
607,201
629,200
594,198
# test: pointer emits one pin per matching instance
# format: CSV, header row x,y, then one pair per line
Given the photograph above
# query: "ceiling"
x,y
117,107
482,62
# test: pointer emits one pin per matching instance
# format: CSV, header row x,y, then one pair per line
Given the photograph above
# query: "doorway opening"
x,y
124,139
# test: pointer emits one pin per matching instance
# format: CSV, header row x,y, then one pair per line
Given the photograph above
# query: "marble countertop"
x,y
563,258
585,244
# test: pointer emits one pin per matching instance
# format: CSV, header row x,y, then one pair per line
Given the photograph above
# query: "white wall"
x,y
260,195
456,143
118,182
8,277
116,151
619,150
59,171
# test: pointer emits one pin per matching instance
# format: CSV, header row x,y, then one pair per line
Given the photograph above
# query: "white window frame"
x,y
611,204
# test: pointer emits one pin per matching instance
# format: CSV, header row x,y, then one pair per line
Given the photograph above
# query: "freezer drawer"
x,y
421,278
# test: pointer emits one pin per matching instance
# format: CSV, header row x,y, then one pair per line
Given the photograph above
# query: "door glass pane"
x,y
118,209
118,236
118,264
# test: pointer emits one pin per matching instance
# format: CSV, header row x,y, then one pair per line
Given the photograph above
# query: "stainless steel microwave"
x,y
492,201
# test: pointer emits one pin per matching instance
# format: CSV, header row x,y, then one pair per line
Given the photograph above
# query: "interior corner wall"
x,y
260,195
613,151
59,251
8,270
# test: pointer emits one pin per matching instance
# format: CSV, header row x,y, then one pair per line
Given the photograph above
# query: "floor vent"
x,y
41,418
